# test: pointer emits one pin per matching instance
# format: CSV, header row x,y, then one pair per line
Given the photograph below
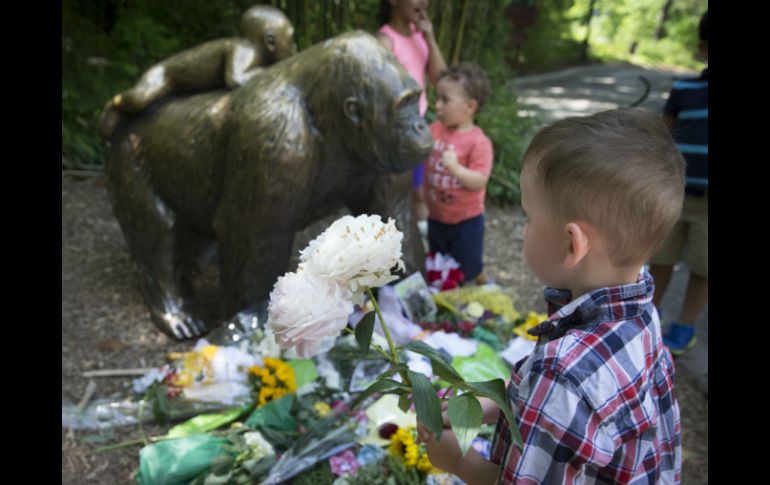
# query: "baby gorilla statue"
x,y
266,38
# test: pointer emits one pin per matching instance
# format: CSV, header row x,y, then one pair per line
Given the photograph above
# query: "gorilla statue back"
x,y
230,176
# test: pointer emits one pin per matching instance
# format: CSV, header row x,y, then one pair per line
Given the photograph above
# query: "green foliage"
x,y
510,134
465,414
550,42
426,402
319,474
107,45
364,331
620,24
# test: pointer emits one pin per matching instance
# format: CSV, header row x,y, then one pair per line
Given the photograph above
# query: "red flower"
x,y
387,429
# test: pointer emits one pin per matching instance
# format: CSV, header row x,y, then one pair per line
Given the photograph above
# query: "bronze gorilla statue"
x,y
267,37
231,175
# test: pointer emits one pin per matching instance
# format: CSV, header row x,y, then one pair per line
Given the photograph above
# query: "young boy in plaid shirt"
x,y
594,401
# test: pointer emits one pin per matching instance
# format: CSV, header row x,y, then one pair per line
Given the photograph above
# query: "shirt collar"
x,y
595,307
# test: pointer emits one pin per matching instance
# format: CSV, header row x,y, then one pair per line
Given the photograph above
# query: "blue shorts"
x,y
463,241
417,175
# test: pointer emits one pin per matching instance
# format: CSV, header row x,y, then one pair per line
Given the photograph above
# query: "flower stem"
x,y
393,355
139,420
141,441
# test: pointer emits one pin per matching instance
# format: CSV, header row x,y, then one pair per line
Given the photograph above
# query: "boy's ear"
x,y
473,105
579,243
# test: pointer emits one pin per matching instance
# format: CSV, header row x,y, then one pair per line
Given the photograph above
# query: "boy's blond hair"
x,y
618,170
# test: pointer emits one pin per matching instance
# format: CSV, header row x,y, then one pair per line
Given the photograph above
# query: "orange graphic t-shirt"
x,y
448,201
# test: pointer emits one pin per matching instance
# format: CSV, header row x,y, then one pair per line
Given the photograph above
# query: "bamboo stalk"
x,y
461,30
445,19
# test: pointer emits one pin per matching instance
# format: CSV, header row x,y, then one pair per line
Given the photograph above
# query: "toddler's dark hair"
x,y
473,79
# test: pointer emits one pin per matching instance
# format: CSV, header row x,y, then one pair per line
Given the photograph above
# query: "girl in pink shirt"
x,y
408,33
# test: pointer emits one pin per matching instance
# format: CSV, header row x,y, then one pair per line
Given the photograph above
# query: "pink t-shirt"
x,y
412,52
447,200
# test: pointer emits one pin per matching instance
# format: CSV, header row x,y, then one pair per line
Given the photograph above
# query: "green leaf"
x,y
381,385
426,402
304,371
441,367
465,416
222,464
205,422
364,331
275,414
404,402
495,390
160,408
392,370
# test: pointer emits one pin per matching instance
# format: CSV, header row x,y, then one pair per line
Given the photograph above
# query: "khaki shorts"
x,y
688,238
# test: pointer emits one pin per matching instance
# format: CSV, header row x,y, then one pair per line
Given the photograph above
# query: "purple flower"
x,y
344,463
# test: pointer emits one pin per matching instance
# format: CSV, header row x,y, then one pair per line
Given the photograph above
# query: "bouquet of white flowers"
x,y
352,256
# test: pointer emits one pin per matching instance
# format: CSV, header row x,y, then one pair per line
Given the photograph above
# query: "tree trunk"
x,y
304,35
660,32
589,16
325,18
460,31
445,25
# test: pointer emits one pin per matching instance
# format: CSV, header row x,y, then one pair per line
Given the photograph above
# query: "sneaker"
x,y
679,338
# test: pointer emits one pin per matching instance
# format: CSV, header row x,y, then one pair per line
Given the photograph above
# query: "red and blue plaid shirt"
x,y
595,400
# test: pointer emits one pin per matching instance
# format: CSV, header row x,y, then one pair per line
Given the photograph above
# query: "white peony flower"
x,y
304,309
357,251
260,447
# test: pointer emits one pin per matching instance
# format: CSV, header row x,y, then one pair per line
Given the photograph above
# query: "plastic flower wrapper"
x,y
159,374
357,254
443,271
103,414
212,373
369,454
328,437
245,457
207,364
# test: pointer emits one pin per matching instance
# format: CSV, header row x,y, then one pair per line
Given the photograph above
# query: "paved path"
x,y
583,90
